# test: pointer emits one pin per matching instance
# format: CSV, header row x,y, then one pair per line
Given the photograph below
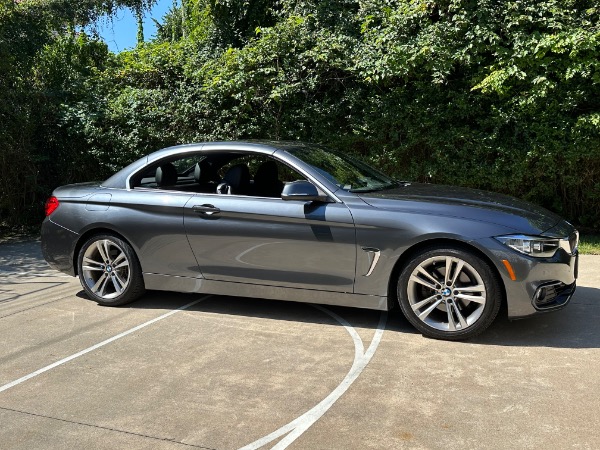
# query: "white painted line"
x,y
101,344
361,358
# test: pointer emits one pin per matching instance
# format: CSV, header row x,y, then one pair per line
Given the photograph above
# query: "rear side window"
x,y
147,179
175,174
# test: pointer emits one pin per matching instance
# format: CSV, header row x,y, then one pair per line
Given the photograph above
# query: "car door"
x,y
273,242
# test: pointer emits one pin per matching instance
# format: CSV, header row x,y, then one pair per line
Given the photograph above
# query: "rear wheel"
x,y
449,293
109,270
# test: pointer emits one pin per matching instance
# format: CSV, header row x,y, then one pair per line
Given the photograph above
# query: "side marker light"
x,y
511,272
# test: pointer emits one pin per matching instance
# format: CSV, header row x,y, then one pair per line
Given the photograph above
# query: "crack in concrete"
x,y
158,438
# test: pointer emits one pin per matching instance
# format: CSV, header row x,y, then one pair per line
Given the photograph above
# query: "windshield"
x,y
344,171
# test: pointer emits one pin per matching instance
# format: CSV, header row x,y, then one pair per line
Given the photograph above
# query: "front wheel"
x,y
449,293
109,271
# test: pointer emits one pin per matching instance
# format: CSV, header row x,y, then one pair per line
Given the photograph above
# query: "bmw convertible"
x,y
299,222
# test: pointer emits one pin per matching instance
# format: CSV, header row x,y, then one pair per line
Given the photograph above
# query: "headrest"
x,y
204,173
166,175
238,176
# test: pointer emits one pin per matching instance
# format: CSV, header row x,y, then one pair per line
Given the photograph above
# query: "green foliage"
x,y
589,244
46,68
496,95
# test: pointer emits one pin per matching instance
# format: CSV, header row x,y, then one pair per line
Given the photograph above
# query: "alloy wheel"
x,y
446,293
106,270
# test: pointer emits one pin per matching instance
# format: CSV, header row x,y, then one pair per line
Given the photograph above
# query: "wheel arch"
x,y
438,243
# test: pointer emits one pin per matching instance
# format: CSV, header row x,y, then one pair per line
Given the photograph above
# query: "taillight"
x,y
51,205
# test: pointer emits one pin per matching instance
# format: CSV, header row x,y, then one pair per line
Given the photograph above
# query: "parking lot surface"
x,y
174,371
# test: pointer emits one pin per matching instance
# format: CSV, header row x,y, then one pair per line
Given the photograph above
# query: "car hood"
x,y
453,201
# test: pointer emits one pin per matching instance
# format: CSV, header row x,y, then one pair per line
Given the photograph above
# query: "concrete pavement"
x,y
227,372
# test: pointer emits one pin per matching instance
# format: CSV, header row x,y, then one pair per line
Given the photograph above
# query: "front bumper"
x,y
553,295
541,284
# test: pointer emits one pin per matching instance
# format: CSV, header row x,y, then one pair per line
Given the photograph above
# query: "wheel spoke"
x,y
451,323
118,287
426,313
427,274
472,298
461,318
100,247
91,261
98,283
123,264
422,303
91,264
457,271
103,286
123,282
448,269
116,261
423,282
107,250
475,288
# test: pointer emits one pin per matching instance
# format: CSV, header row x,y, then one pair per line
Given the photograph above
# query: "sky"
x,y
121,33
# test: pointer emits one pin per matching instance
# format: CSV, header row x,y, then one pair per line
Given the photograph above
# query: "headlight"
x,y
538,246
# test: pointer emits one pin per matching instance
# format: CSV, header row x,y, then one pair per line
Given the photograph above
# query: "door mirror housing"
x,y
303,191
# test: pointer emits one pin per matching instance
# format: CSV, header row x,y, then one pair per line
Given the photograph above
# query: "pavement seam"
x,y
105,428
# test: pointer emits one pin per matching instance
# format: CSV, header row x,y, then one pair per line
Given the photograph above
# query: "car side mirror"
x,y
303,191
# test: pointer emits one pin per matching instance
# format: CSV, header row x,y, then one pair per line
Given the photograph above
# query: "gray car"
x,y
293,221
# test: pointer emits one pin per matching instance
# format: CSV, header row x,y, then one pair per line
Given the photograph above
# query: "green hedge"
x,y
496,95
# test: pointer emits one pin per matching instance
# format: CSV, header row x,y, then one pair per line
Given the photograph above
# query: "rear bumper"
x,y
58,246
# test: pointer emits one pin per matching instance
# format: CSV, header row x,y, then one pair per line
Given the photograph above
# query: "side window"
x,y
179,174
185,166
146,179
221,173
256,175
287,174
247,160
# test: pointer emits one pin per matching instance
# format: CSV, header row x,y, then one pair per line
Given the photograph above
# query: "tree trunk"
x,y
184,18
174,25
139,15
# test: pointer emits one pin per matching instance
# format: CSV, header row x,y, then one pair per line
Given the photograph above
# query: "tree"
x,y
496,95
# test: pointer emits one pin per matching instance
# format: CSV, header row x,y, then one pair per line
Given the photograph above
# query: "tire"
x,y
109,270
453,305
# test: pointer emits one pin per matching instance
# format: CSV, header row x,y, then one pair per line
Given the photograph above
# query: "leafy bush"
x,y
496,95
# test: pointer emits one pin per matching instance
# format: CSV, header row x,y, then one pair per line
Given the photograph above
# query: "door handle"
x,y
207,210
